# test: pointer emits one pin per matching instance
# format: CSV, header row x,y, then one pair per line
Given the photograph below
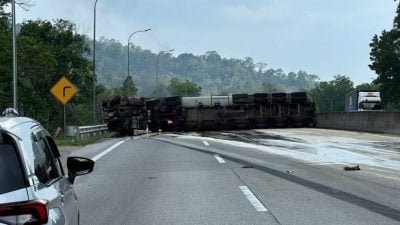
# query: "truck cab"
x,y
363,100
369,101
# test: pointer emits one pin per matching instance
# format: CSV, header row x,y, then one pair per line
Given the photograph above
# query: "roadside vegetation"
x,y
61,140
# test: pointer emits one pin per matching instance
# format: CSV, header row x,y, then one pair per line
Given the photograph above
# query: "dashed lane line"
x,y
253,199
219,158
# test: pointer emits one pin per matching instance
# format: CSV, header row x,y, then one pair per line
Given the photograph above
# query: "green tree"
x,y
368,86
178,87
269,88
46,51
385,61
5,64
214,74
128,87
330,96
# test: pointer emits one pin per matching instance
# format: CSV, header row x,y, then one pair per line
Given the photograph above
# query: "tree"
x,y
214,74
269,88
5,64
128,87
178,87
368,86
385,61
330,96
46,51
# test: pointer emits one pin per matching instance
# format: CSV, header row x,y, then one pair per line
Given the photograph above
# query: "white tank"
x,y
206,101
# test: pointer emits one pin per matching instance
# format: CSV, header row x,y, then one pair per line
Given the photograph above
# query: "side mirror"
x,y
78,166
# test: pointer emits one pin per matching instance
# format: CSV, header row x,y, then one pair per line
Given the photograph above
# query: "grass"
x,y
61,140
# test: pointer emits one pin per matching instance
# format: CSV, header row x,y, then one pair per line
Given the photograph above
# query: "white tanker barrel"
x,y
206,101
221,100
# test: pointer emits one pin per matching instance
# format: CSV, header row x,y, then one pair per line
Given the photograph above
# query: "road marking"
x,y
206,143
219,159
108,150
253,199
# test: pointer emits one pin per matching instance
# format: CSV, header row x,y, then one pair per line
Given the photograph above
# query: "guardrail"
x,y
79,132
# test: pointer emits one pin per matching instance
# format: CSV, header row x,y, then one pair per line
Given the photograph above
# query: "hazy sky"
x,y
324,37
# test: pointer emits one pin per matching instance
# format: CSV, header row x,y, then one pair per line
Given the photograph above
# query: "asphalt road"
x,y
179,179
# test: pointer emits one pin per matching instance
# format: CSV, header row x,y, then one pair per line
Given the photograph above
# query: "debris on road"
x,y
289,171
247,166
348,168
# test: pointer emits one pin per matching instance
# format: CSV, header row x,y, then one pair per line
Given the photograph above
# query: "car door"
x,y
51,182
68,196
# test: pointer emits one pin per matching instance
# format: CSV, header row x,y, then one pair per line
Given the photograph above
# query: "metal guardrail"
x,y
79,132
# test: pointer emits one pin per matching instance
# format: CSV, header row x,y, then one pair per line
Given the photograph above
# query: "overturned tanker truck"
x,y
238,111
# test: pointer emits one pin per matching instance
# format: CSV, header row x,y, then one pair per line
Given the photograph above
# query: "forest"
x,y
213,73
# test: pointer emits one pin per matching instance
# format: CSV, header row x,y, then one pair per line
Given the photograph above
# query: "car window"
x,y
11,176
44,164
56,153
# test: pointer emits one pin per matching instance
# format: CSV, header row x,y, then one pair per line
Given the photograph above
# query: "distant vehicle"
x,y
363,100
33,186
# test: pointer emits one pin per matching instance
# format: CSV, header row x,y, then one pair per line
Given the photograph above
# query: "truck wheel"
x,y
115,100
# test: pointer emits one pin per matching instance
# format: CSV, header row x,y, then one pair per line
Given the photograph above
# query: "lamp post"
x,y
187,68
15,103
94,63
129,39
157,89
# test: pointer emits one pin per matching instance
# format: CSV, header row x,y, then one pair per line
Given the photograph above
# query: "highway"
x,y
282,176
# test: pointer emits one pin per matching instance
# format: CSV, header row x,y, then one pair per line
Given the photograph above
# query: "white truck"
x,y
363,100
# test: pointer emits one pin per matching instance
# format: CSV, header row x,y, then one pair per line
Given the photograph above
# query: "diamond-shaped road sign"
x,y
64,90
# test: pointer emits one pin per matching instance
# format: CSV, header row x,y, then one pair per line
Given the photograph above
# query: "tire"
x,y
240,99
279,97
298,97
260,95
115,100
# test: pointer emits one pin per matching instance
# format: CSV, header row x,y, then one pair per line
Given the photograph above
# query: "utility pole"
x,y
94,63
129,39
14,42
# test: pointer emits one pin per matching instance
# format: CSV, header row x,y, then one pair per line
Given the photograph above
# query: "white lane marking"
x,y
108,150
253,199
219,159
206,143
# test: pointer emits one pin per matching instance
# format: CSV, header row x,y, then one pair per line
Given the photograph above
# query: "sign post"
x,y
64,90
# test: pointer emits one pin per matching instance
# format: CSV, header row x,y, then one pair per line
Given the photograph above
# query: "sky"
x,y
322,37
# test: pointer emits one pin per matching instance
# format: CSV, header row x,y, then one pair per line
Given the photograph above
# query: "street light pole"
x,y
14,42
129,39
187,68
158,55
94,63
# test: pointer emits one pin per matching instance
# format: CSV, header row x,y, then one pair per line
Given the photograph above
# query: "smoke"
x,y
163,46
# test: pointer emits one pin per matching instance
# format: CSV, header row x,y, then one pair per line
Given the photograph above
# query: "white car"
x,y
34,189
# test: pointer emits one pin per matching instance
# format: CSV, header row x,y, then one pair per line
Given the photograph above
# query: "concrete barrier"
x,y
377,122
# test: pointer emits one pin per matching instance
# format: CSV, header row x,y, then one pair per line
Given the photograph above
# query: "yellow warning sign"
x,y
64,90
